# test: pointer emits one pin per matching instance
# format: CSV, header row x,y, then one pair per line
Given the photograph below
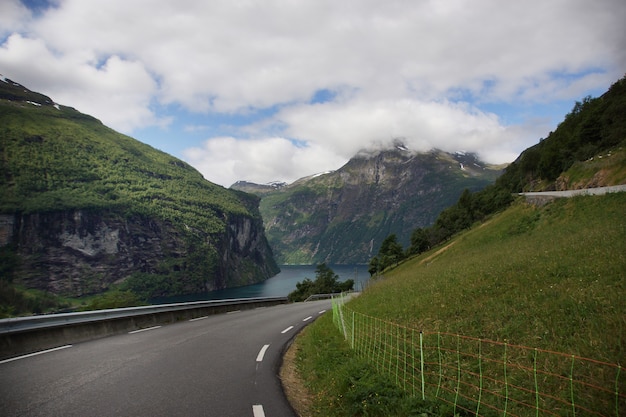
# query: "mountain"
x,y
85,209
257,189
343,216
588,149
593,130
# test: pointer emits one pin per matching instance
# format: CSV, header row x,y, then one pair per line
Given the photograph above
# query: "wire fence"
x,y
484,377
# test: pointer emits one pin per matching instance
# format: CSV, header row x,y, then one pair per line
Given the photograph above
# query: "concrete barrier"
x,y
23,335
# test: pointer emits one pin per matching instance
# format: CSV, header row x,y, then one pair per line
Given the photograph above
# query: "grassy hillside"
x,y
550,277
57,159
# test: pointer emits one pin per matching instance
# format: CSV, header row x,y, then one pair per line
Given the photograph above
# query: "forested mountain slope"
x,y
84,207
342,217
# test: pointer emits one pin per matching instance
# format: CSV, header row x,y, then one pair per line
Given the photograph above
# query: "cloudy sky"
x,y
279,89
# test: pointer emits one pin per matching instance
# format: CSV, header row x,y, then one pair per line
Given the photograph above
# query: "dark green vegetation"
x,y
588,149
61,159
342,217
326,282
389,254
494,267
593,128
85,209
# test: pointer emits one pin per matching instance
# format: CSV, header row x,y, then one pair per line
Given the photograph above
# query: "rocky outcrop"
x,y
80,252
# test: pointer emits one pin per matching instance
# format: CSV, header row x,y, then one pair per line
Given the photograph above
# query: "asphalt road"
x,y
222,365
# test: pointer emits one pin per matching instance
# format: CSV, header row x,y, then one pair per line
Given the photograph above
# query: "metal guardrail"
x,y
327,296
24,324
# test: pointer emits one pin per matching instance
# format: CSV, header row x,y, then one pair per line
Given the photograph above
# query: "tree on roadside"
x,y
326,282
389,254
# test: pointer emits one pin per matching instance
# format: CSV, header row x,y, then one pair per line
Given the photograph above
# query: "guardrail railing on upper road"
x,y
19,324
28,334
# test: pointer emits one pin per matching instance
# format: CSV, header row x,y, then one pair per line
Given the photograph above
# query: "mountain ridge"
x,y
342,216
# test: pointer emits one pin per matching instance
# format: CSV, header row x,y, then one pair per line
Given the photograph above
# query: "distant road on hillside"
x,y
545,196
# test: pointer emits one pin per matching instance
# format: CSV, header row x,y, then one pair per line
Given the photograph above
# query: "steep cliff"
x,y
343,216
84,207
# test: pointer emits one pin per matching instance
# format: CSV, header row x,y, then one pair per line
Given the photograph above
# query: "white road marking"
x,y
199,318
144,330
259,357
36,353
287,329
322,312
257,410
308,318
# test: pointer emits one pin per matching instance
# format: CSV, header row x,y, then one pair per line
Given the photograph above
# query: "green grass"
x,y
553,278
345,385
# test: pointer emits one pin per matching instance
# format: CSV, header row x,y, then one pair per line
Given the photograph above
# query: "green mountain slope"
x,y
84,207
594,127
343,216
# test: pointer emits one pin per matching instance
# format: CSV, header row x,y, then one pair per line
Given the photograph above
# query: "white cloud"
x,y
14,16
420,69
349,127
118,91
225,160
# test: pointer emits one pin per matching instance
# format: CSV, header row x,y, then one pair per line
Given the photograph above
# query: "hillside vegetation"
x,y
85,210
61,159
496,268
588,149
550,278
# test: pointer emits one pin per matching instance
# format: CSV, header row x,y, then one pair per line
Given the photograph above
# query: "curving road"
x,y
222,365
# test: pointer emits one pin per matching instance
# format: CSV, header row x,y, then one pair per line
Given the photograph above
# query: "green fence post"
x,y
353,330
413,361
397,350
458,372
619,369
422,365
406,362
480,371
506,383
536,384
571,386
440,364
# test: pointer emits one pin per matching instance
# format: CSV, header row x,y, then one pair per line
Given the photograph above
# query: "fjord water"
x,y
277,286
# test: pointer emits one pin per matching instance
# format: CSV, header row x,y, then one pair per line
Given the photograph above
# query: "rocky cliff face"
x,y
342,217
80,252
83,207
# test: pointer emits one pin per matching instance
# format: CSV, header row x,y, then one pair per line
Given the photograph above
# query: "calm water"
x,y
279,285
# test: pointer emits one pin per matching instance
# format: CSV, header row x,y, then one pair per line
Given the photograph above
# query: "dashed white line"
x,y
308,318
36,353
199,318
144,330
257,410
259,357
322,312
287,329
